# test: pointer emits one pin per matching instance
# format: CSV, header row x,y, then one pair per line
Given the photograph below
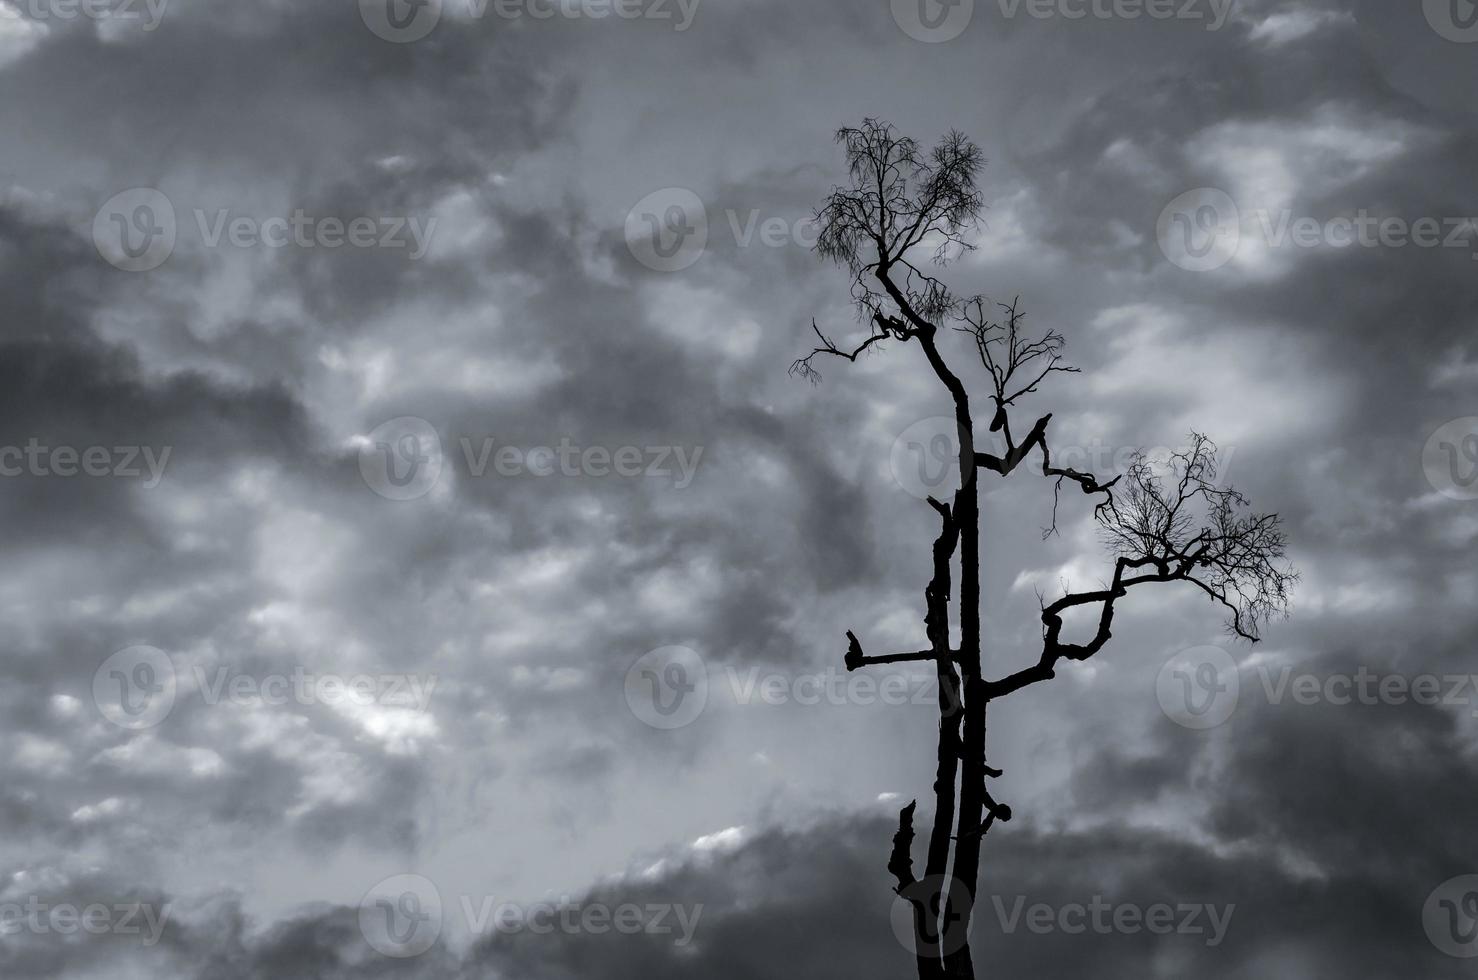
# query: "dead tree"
x,y
1163,521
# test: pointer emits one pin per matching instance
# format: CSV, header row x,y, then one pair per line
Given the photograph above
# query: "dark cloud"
x,y
1296,888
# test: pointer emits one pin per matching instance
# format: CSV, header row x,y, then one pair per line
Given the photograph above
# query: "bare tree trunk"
x,y
951,715
936,624
971,749
901,200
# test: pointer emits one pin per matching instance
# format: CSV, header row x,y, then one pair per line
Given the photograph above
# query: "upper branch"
x,y
885,328
1017,364
1174,524
898,200
1174,514
1015,454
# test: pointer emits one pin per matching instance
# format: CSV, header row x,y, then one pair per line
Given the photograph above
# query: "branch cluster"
x,y
899,199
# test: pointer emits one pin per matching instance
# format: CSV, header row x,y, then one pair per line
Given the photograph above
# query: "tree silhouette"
x,y
1162,520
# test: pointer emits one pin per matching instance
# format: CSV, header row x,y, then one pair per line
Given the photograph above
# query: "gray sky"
x,y
1229,214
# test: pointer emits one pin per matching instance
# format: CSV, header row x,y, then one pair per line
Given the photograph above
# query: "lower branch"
x,y
856,659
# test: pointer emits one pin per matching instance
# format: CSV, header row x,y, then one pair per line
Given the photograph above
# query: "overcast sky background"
x,y
264,547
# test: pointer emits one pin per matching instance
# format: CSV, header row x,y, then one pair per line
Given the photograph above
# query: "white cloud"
x,y
95,812
725,840
1248,383
1279,168
41,755
19,35
147,755
1290,25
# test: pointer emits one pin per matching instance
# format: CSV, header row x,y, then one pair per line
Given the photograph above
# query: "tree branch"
x,y
856,660
803,367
